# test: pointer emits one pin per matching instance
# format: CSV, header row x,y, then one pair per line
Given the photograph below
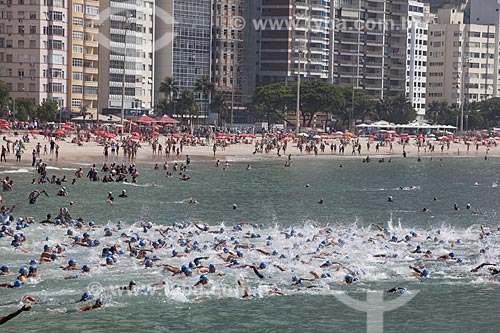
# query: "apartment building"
x,y
227,47
34,49
463,60
83,52
126,66
416,55
293,32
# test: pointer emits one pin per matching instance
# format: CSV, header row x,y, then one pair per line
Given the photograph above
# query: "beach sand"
x,y
92,152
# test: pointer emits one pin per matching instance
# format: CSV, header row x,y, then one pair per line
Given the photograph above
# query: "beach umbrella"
x,y
60,132
191,136
157,127
110,135
317,137
135,134
34,132
387,139
155,133
302,134
373,137
176,136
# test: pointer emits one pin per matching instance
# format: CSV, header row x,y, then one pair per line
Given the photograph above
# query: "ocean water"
x,y
285,200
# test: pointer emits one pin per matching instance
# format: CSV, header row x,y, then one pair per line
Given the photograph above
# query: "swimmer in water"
x,y
110,198
420,273
14,314
321,201
390,199
248,167
123,194
396,290
98,303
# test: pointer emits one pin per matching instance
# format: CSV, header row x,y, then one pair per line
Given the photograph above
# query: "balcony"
x,y
91,43
93,57
91,83
90,70
90,97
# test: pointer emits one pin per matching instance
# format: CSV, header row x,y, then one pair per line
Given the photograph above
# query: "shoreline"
x,y
91,152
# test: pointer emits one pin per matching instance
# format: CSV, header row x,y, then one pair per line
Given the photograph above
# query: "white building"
x,y
416,61
127,29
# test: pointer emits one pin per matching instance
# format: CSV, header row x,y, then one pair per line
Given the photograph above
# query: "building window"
x,y
77,35
77,8
77,62
76,102
77,76
76,89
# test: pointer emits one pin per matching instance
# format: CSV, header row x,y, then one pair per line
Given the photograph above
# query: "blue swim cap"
x,y
86,234
203,277
459,260
46,247
33,262
191,264
4,268
211,267
85,296
2,234
295,278
96,242
262,265
72,262
149,263
174,252
323,276
18,284
91,223
108,233
17,244
188,272
100,300
53,256
156,244
142,242
239,253
78,224
109,260
86,268
348,278
33,268
425,272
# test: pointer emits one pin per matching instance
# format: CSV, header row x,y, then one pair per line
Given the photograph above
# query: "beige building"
x,y
227,46
463,60
34,49
83,56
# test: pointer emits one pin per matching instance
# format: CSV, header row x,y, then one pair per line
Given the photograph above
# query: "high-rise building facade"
x,y
127,56
293,32
416,55
34,49
371,45
227,50
192,52
463,62
83,53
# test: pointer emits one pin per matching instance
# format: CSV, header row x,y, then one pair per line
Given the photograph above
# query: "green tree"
x,y
219,105
364,106
490,110
170,89
26,108
439,112
186,105
205,87
399,110
4,98
272,101
163,107
47,111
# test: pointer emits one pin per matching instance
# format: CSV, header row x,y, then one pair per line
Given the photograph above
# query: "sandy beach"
x,y
94,152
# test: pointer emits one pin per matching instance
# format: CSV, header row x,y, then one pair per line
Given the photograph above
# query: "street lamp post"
x,y
465,64
127,17
297,107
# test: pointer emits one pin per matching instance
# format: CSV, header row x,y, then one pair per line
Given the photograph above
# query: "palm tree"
x,y
205,87
219,105
186,104
170,88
